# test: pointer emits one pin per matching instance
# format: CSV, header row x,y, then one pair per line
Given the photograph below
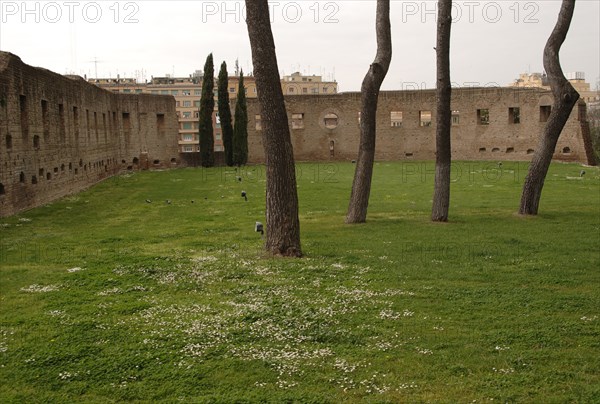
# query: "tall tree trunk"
x,y
283,224
443,157
565,98
361,186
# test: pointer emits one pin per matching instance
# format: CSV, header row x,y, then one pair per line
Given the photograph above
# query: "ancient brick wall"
x,y
486,126
59,135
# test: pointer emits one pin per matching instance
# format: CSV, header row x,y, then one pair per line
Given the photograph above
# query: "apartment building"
x,y
577,80
187,92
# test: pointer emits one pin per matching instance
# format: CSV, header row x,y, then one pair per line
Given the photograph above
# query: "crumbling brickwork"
x,y
488,124
59,135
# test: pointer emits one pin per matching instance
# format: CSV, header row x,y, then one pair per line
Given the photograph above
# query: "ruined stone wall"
x,y
60,135
500,139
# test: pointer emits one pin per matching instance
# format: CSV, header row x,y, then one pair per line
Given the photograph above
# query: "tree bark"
x,y
282,222
361,186
443,157
565,98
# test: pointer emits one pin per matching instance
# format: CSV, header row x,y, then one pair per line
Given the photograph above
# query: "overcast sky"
x,y
492,41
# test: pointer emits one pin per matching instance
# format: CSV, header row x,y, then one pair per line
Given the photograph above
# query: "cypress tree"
x,y
240,128
225,114
207,105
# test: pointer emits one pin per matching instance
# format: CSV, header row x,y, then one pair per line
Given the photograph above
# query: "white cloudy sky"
x,y
492,41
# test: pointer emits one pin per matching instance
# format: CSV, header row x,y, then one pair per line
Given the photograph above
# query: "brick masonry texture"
x,y
499,139
60,135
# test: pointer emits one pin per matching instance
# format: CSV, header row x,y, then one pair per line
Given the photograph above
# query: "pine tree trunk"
x,y
283,224
565,98
443,157
361,186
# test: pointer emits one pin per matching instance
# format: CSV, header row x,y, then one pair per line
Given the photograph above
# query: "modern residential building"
x,y
188,90
577,79
297,84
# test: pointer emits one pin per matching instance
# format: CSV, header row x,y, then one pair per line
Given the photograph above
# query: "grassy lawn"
x,y
106,297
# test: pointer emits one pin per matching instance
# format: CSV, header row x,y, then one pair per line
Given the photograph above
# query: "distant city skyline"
x,y
492,41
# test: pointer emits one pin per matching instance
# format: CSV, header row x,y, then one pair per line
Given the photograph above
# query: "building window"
x,y
218,136
164,92
424,118
174,92
396,118
331,121
514,115
197,103
305,90
258,122
455,118
232,89
186,92
298,121
197,92
138,91
187,125
187,114
188,137
197,114
154,91
324,89
545,112
219,148
483,117
187,103
290,90
188,149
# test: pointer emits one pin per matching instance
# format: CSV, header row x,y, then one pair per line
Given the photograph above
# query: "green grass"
x,y
105,297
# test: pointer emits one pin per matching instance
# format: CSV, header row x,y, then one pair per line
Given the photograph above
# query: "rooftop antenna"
x,y
95,62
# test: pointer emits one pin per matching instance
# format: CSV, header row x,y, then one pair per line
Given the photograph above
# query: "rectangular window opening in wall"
x,y
396,119
24,116
188,149
219,148
76,121
61,122
96,125
160,123
45,120
483,117
188,137
115,123
126,124
87,122
455,118
186,125
545,112
424,118
104,126
514,115
298,121
218,136
258,122
187,114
